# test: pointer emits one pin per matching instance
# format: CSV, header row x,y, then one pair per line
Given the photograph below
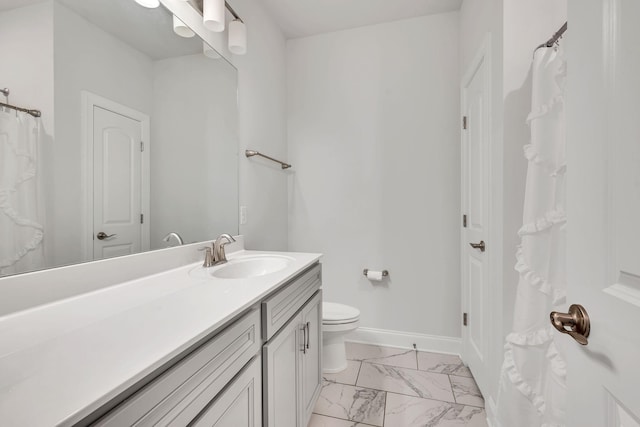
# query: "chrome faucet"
x,y
219,257
215,255
175,236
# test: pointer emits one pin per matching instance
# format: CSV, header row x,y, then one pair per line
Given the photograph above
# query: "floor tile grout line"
x,y
452,390
411,369
434,400
417,363
342,419
407,350
461,376
471,406
384,408
404,394
358,376
404,367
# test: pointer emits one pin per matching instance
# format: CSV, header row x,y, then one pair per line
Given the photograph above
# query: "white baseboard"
x,y
423,342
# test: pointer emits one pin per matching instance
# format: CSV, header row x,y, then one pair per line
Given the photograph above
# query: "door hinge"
x,y
464,122
464,319
141,146
464,221
141,218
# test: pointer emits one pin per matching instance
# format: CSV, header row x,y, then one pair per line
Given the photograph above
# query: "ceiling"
x,y
301,18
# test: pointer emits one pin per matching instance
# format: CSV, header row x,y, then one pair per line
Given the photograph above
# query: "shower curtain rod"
x,y
5,92
34,113
554,38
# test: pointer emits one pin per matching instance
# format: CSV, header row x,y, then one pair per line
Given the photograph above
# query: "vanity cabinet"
x,y
292,368
264,368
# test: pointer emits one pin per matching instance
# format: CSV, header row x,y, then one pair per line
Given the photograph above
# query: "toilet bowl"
x,y
337,321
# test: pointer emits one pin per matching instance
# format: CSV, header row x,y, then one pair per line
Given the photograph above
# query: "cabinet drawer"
x,y
283,305
177,396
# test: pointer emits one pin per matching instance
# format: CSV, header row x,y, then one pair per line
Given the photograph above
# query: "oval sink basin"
x,y
251,266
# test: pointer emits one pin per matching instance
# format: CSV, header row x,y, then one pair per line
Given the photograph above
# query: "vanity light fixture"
x,y
151,4
237,37
181,29
213,18
213,15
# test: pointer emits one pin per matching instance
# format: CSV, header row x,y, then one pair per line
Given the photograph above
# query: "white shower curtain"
x,y
21,229
532,382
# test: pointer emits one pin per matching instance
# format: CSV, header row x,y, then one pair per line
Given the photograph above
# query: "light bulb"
x,y
213,15
237,37
181,29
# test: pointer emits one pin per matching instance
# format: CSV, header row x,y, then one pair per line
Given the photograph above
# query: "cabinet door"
x,y
239,405
281,364
311,357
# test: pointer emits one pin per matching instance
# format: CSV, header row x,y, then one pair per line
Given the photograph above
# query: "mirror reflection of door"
x,y
120,191
475,208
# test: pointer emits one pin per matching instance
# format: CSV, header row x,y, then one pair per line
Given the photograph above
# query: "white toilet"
x,y
337,321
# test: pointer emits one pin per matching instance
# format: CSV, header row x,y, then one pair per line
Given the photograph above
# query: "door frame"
x,y
492,305
89,102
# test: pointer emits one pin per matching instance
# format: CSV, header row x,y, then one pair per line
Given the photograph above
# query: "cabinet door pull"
x,y
304,339
308,334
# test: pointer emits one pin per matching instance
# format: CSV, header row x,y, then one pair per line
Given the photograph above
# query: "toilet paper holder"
x,y
385,273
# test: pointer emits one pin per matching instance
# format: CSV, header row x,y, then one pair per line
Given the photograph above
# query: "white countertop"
x,y
61,361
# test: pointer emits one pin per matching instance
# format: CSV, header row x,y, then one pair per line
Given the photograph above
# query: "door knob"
x,y
576,320
478,245
102,235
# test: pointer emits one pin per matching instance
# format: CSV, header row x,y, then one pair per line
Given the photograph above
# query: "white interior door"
x,y
117,180
117,175
603,210
475,209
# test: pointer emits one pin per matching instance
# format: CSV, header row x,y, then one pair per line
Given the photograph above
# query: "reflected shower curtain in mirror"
x,y
21,229
532,381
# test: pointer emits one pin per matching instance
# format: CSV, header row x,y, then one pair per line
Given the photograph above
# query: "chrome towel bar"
x,y
251,153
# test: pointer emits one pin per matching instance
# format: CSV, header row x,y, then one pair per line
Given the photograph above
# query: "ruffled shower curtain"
x,y
21,229
532,382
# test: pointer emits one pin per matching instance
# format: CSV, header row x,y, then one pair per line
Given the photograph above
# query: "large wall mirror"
x,y
137,139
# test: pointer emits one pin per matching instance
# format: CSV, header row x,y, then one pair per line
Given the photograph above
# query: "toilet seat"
x,y
339,314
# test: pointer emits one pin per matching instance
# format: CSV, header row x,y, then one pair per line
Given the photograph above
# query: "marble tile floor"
x,y
390,387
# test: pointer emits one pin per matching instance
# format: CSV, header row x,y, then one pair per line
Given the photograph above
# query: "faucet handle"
x,y
208,256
